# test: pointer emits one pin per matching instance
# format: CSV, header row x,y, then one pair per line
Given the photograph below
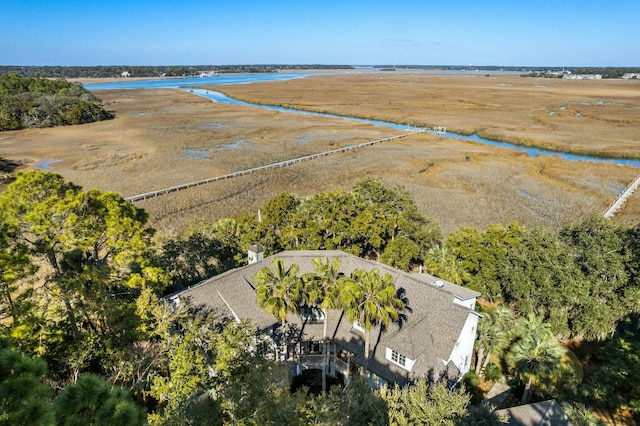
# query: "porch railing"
x,y
315,361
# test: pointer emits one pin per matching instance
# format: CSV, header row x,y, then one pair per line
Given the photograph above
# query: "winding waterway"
x,y
190,84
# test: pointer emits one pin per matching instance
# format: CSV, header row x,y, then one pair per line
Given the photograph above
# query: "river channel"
x,y
190,84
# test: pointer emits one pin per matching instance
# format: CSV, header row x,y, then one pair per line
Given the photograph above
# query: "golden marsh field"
x,y
163,137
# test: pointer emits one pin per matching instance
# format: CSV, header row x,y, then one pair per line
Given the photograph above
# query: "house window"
x,y
398,358
311,314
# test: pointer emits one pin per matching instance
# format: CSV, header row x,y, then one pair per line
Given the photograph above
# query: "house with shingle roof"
x,y
434,338
544,413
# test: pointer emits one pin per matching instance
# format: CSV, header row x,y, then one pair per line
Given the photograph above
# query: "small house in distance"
x,y
434,339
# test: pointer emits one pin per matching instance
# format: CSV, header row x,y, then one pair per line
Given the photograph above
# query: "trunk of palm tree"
x,y
366,352
526,393
486,361
324,329
324,367
284,339
479,359
324,353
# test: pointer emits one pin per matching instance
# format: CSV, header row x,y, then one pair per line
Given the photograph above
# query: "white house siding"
x,y
467,303
463,351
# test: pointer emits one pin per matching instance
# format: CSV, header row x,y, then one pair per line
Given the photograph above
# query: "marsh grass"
x,y
489,187
503,107
457,183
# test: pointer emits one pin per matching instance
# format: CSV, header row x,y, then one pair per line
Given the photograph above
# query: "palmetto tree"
x,y
322,289
279,292
494,336
370,299
532,325
536,355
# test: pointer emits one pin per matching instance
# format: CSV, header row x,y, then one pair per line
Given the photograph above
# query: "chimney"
x,y
255,253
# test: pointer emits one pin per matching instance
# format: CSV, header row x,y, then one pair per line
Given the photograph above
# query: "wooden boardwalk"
x,y
151,194
619,202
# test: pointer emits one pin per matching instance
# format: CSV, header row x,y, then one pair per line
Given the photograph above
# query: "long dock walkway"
x,y
146,195
619,202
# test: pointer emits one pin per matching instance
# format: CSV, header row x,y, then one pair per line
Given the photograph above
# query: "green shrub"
x,y
493,372
471,382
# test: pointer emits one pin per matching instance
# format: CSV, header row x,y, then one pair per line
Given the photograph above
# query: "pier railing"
x,y
286,163
622,198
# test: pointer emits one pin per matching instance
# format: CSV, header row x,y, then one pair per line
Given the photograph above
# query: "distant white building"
x,y
631,75
125,74
582,77
207,74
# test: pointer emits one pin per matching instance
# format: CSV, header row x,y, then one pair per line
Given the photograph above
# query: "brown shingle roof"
x,y
545,413
428,333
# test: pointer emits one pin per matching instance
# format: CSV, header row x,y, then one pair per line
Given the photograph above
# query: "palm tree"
x,y
537,355
580,415
321,289
279,292
493,336
371,299
532,325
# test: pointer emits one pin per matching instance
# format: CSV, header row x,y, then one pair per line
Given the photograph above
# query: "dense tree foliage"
x,y
203,251
41,102
91,253
102,71
616,383
93,401
81,279
372,221
582,280
24,396
26,399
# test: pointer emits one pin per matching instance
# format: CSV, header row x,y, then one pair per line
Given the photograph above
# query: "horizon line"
x,y
468,66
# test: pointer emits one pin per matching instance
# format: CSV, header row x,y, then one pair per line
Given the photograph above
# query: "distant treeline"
x,y
106,71
151,71
609,72
40,102
606,72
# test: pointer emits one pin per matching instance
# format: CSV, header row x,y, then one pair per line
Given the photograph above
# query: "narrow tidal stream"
x,y
533,152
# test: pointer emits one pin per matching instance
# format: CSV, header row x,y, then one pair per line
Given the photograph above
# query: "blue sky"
x,y
168,32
